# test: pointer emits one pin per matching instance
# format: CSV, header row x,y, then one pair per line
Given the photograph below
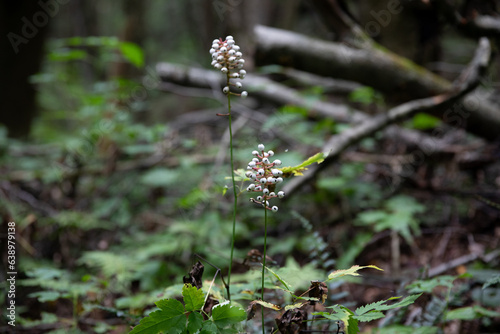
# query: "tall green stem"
x,y
264,263
235,192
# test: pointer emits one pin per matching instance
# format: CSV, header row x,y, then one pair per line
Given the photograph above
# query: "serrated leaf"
x,y
381,306
195,320
353,271
299,169
209,327
266,304
372,315
294,306
194,298
285,284
169,319
226,314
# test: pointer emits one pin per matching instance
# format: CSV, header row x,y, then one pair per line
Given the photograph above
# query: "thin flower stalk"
x,y
227,57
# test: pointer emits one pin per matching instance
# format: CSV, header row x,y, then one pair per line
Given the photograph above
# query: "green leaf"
x,y
422,121
133,53
225,314
492,281
194,298
372,315
285,284
45,296
372,311
427,286
160,177
169,319
209,327
353,271
297,170
195,320
294,306
266,304
470,313
398,329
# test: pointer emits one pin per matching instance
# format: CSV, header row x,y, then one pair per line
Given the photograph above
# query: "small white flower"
x,y
238,54
256,159
265,191
248,174
220,58
271,180
235,75
271,153
265,160
230,42
258,188
218,66
255,153
238,84
272,194
281,194
243,72
241,61
261,147
259,198
231,52
231,59
223,49
223,70
275,172
267,203
263,180
212,50
260,172
225,90
251,164
277,162
244,94
279,180
229,37
215,46
236,48
274,208
215,41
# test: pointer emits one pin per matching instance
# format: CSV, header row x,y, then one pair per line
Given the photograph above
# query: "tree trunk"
x,y
23,27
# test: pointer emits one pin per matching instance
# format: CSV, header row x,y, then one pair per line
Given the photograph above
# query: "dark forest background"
x,y
114,165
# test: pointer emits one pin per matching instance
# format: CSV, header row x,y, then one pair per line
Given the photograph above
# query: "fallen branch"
x,y
467,81
395,76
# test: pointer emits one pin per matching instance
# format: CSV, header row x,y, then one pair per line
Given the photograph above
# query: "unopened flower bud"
x,y
281,194
274,208
244,94
225,90
261,147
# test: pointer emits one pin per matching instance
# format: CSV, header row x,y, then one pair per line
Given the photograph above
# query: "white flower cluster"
x,y
265,177
227,57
